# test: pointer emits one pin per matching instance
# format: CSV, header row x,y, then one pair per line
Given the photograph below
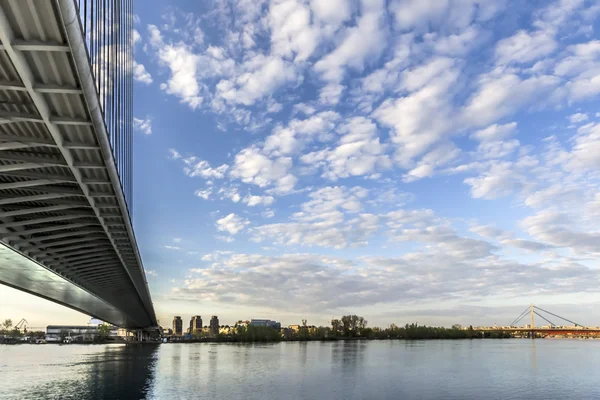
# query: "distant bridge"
x,y
66,137
551,329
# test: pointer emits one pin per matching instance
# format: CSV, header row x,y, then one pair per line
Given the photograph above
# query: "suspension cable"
x,y
520,317
544,318
558,316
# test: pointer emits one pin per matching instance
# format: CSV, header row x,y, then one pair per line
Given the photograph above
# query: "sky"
x,y
405,160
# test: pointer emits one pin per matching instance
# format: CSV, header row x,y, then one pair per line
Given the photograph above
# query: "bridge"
x,y
66,137
549,329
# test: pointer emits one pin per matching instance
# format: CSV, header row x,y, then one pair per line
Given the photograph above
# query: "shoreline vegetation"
x,y
349,327
261,334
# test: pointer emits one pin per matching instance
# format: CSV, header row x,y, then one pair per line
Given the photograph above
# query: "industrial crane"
x,y
22,324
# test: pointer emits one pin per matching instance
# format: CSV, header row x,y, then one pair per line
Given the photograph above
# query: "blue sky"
x,y
430,160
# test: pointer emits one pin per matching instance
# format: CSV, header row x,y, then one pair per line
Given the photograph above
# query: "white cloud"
x,y
253,167
232,224
330,94
524,47
137,38
226,239
174,154
204,193
331,218
495,132
143,125
230,193
262,76
291,31
298,133
140,74
304,108
500,94
458,44
578,118
151,272
252,200
363,42
331,12
182,63
358,152
169,247
421,118
499,181
201,168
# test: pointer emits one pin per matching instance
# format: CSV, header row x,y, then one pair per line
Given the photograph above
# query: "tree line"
x,y
350,327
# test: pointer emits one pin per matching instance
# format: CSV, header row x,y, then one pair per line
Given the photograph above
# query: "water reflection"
x,y
347,361
339,370
124,372
79,372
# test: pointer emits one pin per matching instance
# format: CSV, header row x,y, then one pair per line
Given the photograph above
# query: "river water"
x,y
463,369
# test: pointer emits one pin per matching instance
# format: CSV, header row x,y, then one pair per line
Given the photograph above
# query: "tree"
x,y
336,326
346,321
7,324
103,331
362,325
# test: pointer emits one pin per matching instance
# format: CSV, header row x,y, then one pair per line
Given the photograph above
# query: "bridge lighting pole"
x,y
532,321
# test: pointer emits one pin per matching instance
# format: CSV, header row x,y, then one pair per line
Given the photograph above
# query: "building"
x,y
295,328
195,324
214,325
226,330
177,326
56,333
265,322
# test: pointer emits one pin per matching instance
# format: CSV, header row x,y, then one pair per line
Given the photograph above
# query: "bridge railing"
x,y
107,27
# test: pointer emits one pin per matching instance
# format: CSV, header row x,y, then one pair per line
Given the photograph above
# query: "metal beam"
x,y
58,89
106,283
89,263
96,257
23,166
15,146
26,157
91,256
44,220
27,139
69,121
92,241
39,197
35,210
87,164
80,232
31,185
97,239
41,175
40,88
12,85
99,277
49,229
51,189
8,116
77,250
114,267
35,45
80,146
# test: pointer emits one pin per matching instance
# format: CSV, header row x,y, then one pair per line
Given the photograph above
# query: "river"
x,y
462,369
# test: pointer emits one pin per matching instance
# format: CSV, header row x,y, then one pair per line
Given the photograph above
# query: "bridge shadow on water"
x,y
125,372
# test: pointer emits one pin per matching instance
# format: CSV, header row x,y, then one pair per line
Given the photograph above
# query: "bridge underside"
x,y
27,275
62,206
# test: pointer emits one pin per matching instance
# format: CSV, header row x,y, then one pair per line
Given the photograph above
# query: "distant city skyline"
x,y
404,161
